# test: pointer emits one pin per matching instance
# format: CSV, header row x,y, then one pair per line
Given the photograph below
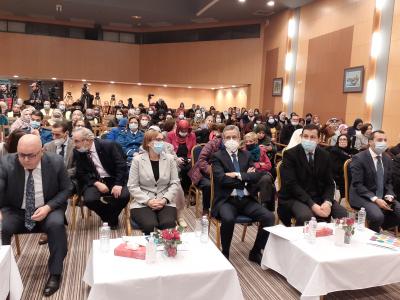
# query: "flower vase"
x,y
347,237
170,249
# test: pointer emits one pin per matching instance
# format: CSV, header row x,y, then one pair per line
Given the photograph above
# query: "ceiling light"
x,y
189,87
213,88
136,17
271,3
15,76
112,82
83,80
89,83
242,1
53,78
139,83
233,86
165,85
221,87
291,28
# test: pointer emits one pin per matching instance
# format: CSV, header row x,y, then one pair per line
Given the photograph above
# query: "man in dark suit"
x,y
371,184
101,171
288,129
235,177
307,186
34,188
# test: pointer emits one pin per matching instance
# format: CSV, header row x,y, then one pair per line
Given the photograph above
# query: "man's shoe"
x,y
52,285
255,257
43,239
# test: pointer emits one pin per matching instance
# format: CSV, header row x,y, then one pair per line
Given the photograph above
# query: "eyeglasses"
x,y
29,155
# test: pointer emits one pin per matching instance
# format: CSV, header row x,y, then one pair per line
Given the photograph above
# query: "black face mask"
x,y
251,147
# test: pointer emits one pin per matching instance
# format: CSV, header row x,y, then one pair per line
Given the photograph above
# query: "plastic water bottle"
x,y
105,233
204,229
151,250
313,230
198,227
362,214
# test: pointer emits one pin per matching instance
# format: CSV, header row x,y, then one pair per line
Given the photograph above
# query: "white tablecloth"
x,y
10,278
201,272
321,268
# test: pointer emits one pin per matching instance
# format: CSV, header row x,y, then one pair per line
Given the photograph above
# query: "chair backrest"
x,y
196,153
347,181
212,188
278,176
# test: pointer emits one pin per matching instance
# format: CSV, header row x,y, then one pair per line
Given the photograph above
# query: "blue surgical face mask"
x,y
35,124
158,147
308,145
380,147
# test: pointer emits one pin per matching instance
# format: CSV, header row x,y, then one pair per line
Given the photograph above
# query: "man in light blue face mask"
x,y
307,186
371,186
36,127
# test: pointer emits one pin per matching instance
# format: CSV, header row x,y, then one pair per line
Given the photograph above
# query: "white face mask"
x,y
133,126
218,120
183,134
231,145
144,122
59,142
198,115
46,106
181,117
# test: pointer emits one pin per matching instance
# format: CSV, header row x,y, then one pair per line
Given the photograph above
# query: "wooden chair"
x,y
194,191
347,182
76,200
240,219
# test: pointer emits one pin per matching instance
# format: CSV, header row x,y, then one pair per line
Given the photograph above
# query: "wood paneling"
x,y
328,56
271,66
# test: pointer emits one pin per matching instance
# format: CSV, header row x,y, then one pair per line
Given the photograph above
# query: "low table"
x,y
201,272
10,278
320,268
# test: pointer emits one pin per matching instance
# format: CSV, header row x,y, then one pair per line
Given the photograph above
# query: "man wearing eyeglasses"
x,y
34,188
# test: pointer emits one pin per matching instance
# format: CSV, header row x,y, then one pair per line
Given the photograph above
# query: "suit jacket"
x,y
143,186
111,158
363,178
224,185
56,183
69,155
296,176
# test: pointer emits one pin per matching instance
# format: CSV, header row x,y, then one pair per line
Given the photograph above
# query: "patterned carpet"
x,y
256,283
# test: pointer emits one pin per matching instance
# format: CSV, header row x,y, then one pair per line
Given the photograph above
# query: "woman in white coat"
x,y
153,184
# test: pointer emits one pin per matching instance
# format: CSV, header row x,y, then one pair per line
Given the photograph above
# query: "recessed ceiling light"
x,y
213,88
242,1
233,86
139,83
89,83
165,85
271,3
136,17
83,80
53,78
189,87
112,82
221,87
15,76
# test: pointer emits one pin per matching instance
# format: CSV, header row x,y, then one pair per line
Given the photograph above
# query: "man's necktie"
x,y
379,177
239,192
29,202
62,150
89,155
311,160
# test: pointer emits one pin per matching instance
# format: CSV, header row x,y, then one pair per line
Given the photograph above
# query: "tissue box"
x,y
122,250
324,231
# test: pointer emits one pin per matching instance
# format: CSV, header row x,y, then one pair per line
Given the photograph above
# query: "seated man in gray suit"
x,y
371,184
62,145
34,187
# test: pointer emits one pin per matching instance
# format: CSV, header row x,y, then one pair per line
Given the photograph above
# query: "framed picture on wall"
x,y
353,80
277,84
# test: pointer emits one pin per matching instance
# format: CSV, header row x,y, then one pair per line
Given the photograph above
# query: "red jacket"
x,y
190,141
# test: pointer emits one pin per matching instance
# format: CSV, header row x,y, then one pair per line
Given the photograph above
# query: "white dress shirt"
x,y
37,178
97,163
234,193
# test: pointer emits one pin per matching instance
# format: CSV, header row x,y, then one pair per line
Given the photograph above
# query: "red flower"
x,y
349,221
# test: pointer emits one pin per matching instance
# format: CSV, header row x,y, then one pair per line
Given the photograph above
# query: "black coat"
x,y
112,159
297,176
224,185
338,157
286,133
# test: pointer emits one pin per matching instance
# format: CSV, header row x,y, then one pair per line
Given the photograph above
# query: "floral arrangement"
x,y
347,224
170,238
